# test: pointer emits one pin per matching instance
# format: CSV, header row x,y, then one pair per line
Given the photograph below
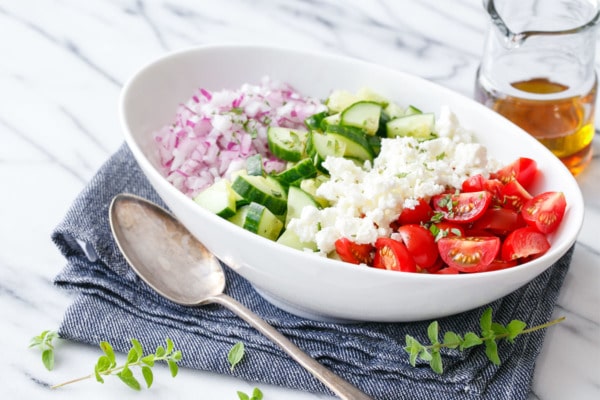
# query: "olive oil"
x,y
565,125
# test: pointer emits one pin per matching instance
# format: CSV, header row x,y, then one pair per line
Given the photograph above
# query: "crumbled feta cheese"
x,y
366,198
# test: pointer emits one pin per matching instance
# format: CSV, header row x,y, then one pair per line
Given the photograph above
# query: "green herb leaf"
x,y
470,340
173,367
257,394
127,378
452,340
48,359
137,346
109,352
242,396
170,345
149,360
433,332
160,351
132,356
491,351
436,362
103,364
515,328
148,376
235,355
486,320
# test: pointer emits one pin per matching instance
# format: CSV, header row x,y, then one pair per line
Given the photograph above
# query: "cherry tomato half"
x,y
422,212
500,221
545,211
393,255
514,195
354,253
523,170
524,243
420,243
469,254
462,207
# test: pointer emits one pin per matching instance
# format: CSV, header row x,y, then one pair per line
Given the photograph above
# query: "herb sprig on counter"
x,y
491,333
107,364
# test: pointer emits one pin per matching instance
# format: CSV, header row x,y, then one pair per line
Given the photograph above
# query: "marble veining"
x,y
62,67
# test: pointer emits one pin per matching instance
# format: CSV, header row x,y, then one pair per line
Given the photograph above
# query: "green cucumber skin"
x,y
275,200
287,149
261,221
305,169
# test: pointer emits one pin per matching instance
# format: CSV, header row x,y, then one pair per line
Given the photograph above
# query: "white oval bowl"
x,y
306,284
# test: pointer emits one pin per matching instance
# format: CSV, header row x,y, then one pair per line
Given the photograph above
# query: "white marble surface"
x,y
62,65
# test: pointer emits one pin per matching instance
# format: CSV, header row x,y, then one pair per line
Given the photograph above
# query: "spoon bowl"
x,y
169,259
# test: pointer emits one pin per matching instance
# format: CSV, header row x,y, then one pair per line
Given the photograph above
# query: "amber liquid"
x,y
563,125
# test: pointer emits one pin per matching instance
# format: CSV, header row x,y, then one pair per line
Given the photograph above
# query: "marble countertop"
x,y
62,67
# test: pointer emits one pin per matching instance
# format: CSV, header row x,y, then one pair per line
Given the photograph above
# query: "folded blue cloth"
x,y
114,305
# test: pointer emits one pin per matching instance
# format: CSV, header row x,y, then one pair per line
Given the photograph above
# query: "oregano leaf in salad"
x,y
490,334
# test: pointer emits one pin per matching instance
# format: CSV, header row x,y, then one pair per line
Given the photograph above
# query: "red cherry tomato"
x,y
477,183
523,170
447,271
545,211
393,255
514,195
420,243
499,264
462,207
421,213
473,183
500,221
470,254
354,253
524,243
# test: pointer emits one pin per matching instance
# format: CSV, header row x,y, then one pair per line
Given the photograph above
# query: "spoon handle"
x,y
339,386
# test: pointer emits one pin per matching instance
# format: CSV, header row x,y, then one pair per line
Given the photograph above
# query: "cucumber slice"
x,y
368,94
290,238
297,200
254,165
310,186
330,120
262,190
413,110
302,170
261,221
314,121
218,198
240,216
364,115
355,141
320,146
339,100
287,144
394,111
420,126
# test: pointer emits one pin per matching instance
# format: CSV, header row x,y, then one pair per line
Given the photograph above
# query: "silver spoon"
x,y
169,259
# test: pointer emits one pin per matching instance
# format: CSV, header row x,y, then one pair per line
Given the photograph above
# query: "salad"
x,y
358,178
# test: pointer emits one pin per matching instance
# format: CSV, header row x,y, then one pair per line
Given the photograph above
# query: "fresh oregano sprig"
x,y
491,333
45,342
107,364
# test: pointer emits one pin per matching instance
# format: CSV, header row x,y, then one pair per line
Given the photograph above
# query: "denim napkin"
x,y
112,304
